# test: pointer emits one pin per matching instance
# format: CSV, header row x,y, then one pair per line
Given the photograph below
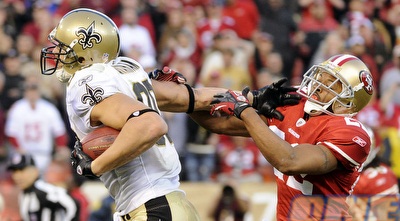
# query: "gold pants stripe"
x,y
171,207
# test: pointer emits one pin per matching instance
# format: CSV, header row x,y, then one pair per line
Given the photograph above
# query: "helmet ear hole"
x,y
81,60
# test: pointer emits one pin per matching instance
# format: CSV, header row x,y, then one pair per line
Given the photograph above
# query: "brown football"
x,y
99,140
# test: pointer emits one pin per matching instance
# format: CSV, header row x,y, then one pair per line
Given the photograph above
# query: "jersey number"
x,y
145,94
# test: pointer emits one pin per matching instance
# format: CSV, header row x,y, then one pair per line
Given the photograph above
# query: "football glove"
x,y
167,74
230,103
81,162
268,98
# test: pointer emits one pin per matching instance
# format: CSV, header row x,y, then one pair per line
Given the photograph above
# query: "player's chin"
x,y
62,75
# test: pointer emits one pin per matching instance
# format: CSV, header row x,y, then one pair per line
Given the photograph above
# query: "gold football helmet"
x,y
356,86
82,37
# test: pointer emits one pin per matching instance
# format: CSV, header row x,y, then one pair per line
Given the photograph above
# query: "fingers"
x,y
290,99
277,115
155,73
279,83
169,74
222,108
180,78
245,91
289,89
290,102
215,111
78,144
270,112
166,70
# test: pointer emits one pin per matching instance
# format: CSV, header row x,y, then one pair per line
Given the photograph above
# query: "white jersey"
x,y
35,129
156,171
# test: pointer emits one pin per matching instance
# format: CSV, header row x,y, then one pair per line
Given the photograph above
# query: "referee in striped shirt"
x,y
39,200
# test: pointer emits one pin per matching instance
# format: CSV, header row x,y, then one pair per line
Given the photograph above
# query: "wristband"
x,y
140,112
191,99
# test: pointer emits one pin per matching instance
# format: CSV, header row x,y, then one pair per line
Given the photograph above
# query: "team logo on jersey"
x,y
300,122
93,96
359,141
88,36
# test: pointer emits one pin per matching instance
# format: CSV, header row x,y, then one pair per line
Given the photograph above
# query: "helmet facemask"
x,y
56,54
339,88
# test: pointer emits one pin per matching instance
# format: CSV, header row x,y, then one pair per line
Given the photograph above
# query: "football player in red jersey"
x,y
376,195
317,149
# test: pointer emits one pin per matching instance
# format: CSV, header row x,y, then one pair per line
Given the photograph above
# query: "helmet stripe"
x,y
334,58
341,59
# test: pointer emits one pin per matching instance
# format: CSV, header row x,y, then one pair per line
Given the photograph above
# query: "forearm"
x,y
138,135
204,96
175,97
171,97
220,125
290,160
274,149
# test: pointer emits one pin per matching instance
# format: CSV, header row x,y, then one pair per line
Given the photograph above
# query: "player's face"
x,y
57,50
25,177
325,87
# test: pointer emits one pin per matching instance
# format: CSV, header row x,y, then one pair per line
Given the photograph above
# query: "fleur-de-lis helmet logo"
x,y
88,36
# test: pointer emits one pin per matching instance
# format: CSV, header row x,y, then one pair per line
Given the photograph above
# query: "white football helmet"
x,y
356,83
82,37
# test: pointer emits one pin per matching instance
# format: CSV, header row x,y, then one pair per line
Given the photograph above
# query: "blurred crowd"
x,y
224,43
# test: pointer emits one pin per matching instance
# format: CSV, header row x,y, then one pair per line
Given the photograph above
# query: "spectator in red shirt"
x,y
245,14
212,24
238,160
357,47
41,25
314,28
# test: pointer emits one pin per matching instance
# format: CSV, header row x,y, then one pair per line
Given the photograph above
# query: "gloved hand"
x,y
81,162
268,98
167,74
230,103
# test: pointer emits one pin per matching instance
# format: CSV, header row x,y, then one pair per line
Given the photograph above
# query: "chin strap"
x,y
314,109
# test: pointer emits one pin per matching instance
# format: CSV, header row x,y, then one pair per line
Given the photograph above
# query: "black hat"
x,y
20,161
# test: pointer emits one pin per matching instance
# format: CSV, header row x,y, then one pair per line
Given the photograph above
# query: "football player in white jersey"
x,y
141,169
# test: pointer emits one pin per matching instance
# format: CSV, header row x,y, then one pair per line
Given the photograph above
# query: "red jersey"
x,y
377,186
316,197
377,181
207,29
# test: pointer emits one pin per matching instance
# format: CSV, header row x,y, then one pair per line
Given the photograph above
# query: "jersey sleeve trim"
x,y
393,190
340,151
